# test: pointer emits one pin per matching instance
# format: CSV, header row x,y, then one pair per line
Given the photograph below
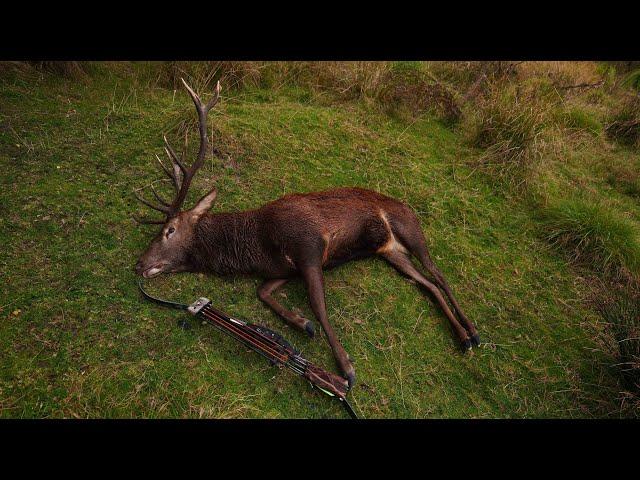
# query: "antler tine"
x,y
171,174
161,208
179,170
179,178
216,97
159,198
172,155
196,98
147,221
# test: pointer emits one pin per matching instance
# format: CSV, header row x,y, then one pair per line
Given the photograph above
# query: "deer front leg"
x,y
264,293
315,286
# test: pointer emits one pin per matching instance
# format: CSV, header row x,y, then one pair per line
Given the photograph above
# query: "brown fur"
x,y
298,235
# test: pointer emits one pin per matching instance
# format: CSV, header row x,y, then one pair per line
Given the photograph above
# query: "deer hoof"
x,y
475,340
310,328
351,377
466,345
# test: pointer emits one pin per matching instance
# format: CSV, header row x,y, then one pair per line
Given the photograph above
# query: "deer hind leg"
x,y
403,264
264,293
407,228
428,264
315,286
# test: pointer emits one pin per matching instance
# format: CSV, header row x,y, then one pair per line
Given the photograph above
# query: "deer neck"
x,y
226,243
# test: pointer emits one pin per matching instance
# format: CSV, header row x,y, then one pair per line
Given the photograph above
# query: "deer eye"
x,y
170,231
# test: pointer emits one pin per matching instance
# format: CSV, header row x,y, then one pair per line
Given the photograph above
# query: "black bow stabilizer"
x,y
166,303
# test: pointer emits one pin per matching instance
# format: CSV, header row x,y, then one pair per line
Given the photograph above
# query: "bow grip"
x,y
327,381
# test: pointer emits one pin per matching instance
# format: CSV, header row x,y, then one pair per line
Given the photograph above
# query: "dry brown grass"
x,y
72,70
565,76
416,91
462,75
561,74
508,122
69,69
349,80
234,75
389,85
394,86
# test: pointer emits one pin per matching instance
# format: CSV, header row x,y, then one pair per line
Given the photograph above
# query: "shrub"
x,y
593,236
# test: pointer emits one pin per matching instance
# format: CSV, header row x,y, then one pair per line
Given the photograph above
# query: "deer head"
x,y
168,251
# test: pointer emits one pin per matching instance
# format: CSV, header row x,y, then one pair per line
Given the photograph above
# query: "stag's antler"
x,y
180,175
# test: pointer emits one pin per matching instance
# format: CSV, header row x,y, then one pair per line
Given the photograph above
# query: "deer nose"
x,y
138,268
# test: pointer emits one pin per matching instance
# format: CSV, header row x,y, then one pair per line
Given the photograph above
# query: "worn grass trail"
x,y
77,340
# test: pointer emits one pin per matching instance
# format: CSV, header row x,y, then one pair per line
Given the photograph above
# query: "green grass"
x,y
633,80
579,119
629,187
593,234
77,340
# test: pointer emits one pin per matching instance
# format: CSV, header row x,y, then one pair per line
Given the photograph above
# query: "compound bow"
x,y
267,343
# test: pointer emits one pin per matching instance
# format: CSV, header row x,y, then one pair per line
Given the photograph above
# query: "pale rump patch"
x,y
325,253
392,244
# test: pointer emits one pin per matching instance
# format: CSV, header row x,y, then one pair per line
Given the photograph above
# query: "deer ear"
x,y
205,203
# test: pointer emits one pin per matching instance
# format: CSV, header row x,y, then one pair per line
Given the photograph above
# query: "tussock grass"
x,y
409,88
624,179
508,123
396,87
632,80
623,316
13,68
202,75
576,118
624,125
67,69
346,80
349,80
562,74
463,75
592,235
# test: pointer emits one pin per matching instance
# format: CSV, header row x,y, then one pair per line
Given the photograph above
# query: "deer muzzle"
x,y
149,271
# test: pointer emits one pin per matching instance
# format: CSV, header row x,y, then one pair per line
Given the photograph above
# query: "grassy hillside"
x,y
77,340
